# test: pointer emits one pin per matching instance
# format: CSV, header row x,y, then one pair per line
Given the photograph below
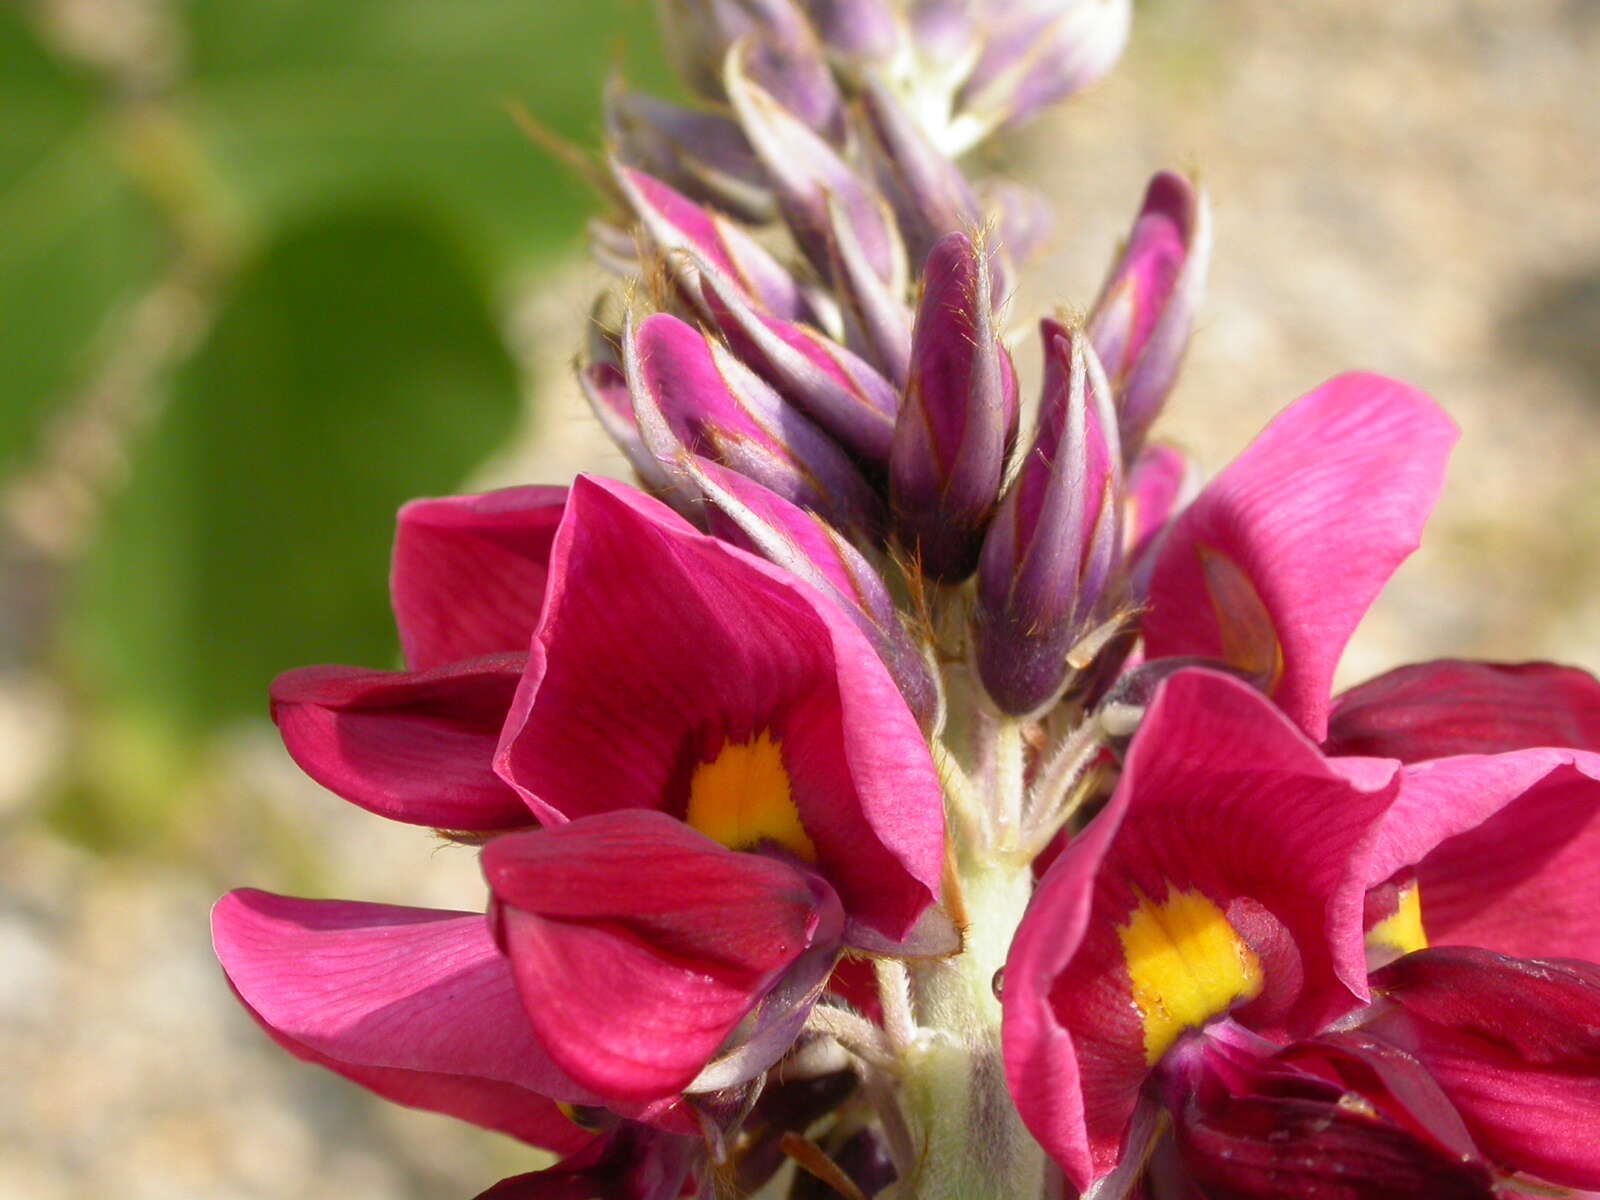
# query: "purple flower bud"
x,y
1041,51
856,31
752,517
877,324
1141,323
681,229
930,195
605,387
945,32
793,72
827,382
702,154
699,32
1051,552
717,407
951,434
806,173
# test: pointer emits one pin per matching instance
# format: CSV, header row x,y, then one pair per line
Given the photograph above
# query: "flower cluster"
x,y
883,803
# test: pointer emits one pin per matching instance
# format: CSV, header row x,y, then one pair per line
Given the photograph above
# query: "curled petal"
x,y
1276,561
1504,847
414,746
1515,1043
1452,706
639,945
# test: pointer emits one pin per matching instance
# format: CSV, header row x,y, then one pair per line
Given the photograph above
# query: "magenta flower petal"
x,y
468,574
1266,1148
1228,833
1515,1043
1452,706
1273,565
1159,485
414,746
639,945
415,1004
660,647
1504,848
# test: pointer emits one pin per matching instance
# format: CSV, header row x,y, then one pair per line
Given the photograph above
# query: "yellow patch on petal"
x,y
1187,965
1402,930
1249,638
741,798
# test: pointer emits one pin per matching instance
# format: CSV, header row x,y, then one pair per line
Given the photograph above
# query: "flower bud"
x,y
698,33
1050,554
831,385
807,173
930,195
951,435
1041,51
702,154
863,32
877,324
1141,323
681,229
718,408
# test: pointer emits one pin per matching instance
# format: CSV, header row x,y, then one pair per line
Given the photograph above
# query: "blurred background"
x,y
267,270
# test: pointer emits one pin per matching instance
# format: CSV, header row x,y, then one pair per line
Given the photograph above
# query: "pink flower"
x,y
730,792
733,789
1192,948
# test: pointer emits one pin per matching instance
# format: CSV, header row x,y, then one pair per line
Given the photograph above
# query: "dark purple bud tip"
x,y
950,437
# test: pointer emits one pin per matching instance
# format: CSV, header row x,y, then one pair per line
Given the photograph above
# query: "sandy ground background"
x,y
1408,188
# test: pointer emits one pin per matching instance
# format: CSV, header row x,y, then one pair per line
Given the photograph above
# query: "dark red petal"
x,y
1453,706
414,746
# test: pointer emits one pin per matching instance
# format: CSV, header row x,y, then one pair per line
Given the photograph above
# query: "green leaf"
x,y
354,365
304,98
78,240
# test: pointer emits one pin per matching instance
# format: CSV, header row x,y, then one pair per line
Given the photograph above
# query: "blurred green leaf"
x,y
77,241
302,98
353,366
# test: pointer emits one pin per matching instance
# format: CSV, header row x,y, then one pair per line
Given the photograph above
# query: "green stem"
x,y
973,1145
